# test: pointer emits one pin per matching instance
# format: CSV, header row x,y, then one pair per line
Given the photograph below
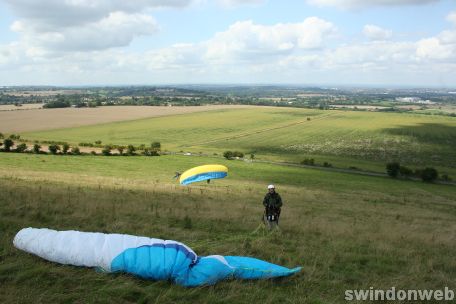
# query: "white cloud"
x,y
236,3
46,14
376,33
303,52
68,25
356,4
117,29
245,40
452,17
434,48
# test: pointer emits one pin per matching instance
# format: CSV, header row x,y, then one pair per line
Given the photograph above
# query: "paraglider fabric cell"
x,y
203,173
145,257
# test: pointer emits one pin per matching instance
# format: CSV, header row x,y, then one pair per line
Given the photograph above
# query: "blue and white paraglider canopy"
x,y
148,258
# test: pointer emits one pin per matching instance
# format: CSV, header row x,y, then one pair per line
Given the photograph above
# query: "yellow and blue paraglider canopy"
x,y
202,173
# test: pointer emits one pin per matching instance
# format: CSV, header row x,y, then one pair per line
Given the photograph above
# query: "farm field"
x,y
346,231
29,106
37,119
365,140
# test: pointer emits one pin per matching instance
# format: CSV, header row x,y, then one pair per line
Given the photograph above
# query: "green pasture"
x,y
347,231
344,138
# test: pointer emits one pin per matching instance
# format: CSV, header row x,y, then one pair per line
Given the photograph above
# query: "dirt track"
x,y
46,119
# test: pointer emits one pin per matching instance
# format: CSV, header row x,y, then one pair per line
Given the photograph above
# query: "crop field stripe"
x,y
255,132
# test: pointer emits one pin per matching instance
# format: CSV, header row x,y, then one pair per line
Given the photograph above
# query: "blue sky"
x,y
322,42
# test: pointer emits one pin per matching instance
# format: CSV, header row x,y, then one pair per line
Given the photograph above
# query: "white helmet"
x,y
271,187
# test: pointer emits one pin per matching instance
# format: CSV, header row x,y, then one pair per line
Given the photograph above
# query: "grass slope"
x,y
343,138
347,231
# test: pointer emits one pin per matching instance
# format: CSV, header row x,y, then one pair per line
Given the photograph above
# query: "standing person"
x,y
272,203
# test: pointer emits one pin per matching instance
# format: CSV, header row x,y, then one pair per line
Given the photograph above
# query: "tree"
x,y
36,148
65,148
98,142
392,169
106,150
21,148
404,171
238,154
429,175
75,151
446,178
308,162
1,135
131,150
150,152
327,165
7,144
54,148
228,154
156,146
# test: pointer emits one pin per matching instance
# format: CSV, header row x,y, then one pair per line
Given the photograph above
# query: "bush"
x,y
156,146
85,144
93,152
120,149
446,178
1,135
54,148
131,150
308,162
429,175
228,154
21,148
392,169
98,142
65,148
238,154
75,151
7,144
404,171
106,151
327,165
57,104
15,137
36,148
150,152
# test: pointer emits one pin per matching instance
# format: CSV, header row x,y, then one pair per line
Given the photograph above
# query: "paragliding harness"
x,y
271,216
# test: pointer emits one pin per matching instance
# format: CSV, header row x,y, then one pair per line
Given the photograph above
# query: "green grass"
x,y
347,231
344,138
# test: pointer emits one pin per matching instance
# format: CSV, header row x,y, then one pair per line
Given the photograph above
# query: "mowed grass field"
x,y
346,231
343,138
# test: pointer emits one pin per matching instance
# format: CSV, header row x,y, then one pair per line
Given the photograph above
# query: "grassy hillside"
x,y
361,139
347,231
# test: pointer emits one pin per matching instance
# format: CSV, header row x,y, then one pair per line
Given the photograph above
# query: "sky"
x,y
298,42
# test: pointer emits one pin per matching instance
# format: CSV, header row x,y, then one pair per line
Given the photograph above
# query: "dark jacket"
x,y
272,200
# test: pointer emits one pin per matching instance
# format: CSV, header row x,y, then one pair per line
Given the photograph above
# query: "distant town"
x,y
419,100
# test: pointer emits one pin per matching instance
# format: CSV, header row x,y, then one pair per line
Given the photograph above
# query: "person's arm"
x,y
279,201
265,201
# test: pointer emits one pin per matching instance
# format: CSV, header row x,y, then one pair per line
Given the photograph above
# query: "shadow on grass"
x,y
427,133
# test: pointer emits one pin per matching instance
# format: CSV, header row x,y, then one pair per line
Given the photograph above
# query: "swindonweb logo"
x,y
394,294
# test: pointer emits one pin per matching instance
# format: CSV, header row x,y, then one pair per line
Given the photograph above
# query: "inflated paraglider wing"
x,y
145,257
202,173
